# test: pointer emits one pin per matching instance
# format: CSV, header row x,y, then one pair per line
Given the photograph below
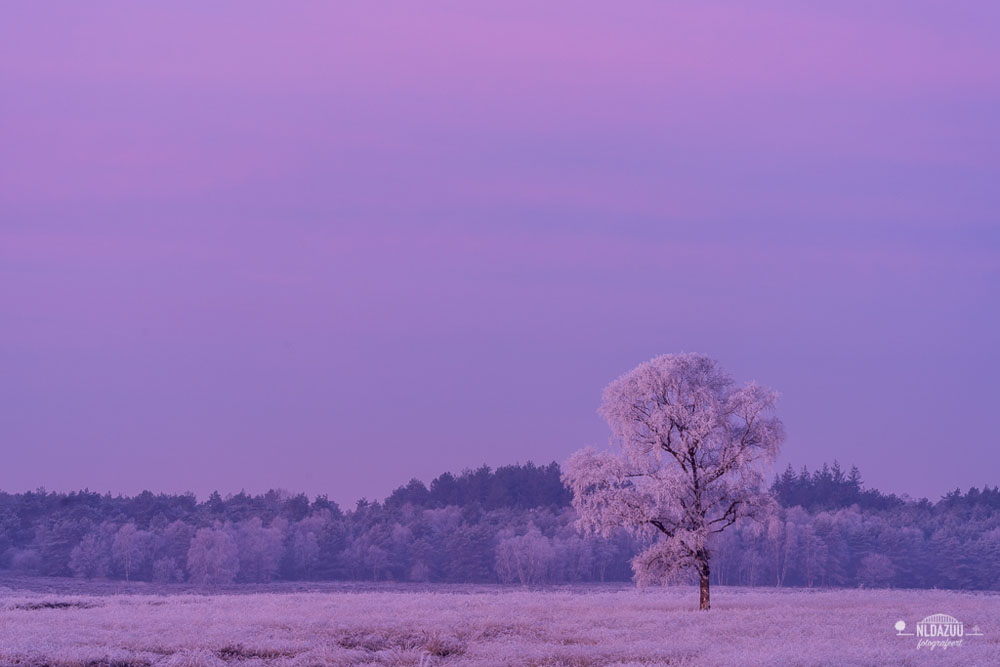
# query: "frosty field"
x,y
491,626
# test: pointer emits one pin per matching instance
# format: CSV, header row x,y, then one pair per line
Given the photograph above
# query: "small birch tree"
x,y
130,548
692,453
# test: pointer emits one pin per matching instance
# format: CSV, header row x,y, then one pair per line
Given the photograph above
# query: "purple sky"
x,y
332,246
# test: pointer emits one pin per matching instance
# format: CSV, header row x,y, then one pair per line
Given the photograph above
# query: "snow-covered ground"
x,y
484,626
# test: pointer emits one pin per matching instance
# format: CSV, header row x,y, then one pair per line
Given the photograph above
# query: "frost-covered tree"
x,y
876,571
166,571
176,540
260,549
90,558
420,572
130,548
213,557
304,554
526,558
692,452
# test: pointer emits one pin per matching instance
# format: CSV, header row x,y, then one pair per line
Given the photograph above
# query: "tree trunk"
x,y
703,572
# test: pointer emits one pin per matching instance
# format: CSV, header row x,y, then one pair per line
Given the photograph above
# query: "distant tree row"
x,y
513,486
464,528
510,525
828,488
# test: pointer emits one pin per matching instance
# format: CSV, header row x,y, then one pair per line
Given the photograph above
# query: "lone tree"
x,y
692,453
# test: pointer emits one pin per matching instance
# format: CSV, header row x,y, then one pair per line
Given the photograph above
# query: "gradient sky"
x,y
332,246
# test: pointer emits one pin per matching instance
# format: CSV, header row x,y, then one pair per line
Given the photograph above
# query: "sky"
x,y
329,247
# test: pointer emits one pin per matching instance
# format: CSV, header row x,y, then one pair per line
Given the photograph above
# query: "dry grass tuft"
x,y
442,647
48,604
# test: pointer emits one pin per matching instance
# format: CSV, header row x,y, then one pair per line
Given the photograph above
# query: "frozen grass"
x,y
490,627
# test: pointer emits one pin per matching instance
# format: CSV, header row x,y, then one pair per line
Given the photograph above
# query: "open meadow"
x,y
491,626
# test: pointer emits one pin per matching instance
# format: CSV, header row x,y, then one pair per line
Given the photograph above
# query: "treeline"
x,y
512,525
831,531
474,527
